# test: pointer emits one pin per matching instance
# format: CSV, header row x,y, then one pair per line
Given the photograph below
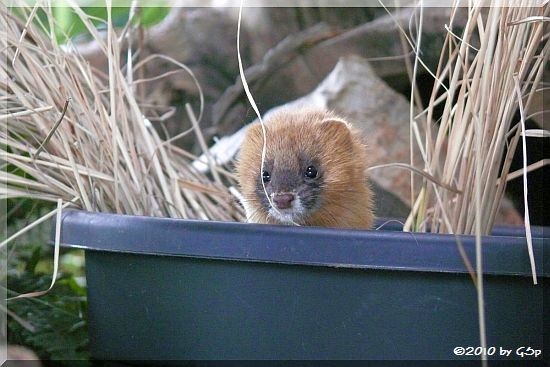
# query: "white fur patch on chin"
x,y
290,215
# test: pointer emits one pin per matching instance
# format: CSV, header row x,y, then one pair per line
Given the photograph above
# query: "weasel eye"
x,y
311,172
266,177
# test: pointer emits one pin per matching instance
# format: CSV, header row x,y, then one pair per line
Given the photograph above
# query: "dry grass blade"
x,y
52,131
417,171
525,202
529,168
24,113
57,243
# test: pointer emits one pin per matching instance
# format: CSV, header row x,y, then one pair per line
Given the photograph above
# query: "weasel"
x,y
314,171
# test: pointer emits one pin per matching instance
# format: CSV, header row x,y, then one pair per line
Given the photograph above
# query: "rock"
x,y
377,40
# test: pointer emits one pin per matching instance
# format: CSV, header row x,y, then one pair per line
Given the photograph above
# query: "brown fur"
x,y
345,199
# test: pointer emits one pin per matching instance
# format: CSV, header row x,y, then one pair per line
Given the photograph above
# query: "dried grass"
x,y
100,148
500,49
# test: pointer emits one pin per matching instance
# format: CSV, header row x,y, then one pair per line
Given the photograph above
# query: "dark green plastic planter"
x,y
162,289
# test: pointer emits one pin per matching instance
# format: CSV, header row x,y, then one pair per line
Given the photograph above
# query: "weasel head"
x,y
310,161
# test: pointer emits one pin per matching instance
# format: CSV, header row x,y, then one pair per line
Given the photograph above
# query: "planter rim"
x,y
504,253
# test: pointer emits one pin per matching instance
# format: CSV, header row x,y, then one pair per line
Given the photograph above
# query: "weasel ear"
x,y
254,129
254,133
337,128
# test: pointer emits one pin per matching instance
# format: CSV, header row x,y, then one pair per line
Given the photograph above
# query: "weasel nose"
x,y
283,201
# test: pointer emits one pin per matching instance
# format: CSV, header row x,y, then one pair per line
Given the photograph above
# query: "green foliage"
x,y
55,325
68,22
